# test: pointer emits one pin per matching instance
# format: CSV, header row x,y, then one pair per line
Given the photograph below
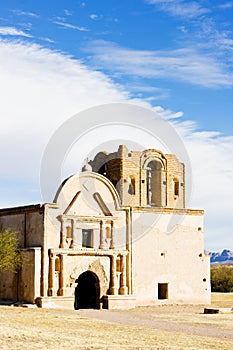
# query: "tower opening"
x,y
154,183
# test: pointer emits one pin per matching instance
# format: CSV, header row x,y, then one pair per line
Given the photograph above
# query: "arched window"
x,y
154,183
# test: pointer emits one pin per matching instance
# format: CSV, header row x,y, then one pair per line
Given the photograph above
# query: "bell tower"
x,y
146,178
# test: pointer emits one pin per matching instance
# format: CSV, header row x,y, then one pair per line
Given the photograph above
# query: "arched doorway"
x,y
87,292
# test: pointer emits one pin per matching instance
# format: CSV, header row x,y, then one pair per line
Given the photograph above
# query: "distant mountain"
x,y
225,257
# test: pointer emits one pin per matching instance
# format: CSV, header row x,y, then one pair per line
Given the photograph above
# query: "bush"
x,y
10,259
222,278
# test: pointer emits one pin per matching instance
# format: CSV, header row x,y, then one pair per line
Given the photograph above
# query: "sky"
x,y
175,57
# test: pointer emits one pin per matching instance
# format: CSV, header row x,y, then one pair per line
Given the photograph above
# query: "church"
x,y
117,235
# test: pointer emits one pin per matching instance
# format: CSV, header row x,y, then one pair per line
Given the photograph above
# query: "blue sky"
x,y
176,56
178,52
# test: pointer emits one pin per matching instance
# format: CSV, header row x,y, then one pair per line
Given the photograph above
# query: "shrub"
x,y
10,259
222,278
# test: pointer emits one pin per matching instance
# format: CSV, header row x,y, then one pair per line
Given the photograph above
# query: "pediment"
x,y
87,194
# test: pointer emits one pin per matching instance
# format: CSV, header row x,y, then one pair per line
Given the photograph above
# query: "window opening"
x,y
131,189
176,187
87,238
163,291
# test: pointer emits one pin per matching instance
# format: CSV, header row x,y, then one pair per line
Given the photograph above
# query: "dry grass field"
x,y
155,327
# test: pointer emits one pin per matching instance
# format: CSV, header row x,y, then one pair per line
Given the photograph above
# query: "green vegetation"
x,y
10,259
222,278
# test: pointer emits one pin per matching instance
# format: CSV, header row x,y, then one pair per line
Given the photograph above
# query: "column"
x,y
52,290
129,248
78,237
113,276
72,243
149,191
62,289
102,245
63,243
112,244
123,286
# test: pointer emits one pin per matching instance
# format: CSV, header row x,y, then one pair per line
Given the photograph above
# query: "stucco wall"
x,y
30,275
28,223
8,286
175,256
23,286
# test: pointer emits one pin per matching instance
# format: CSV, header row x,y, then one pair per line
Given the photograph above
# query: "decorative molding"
x,y
98,268
88,252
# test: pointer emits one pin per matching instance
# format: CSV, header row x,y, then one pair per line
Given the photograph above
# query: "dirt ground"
x,y
175,318
153,327
189,319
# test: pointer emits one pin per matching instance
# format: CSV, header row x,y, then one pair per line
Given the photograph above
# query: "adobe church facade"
x,y
117,235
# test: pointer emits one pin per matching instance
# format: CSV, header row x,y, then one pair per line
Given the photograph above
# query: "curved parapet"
x,y
87,193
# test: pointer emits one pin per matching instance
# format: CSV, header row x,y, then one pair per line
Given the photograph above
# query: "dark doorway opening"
x,y
87,292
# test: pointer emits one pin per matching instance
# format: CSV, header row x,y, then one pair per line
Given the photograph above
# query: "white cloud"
x,y
204,29
71,26
68,12
226,5
180,8
94,16
25,13
48,40
220,41
141,89
227,42
185,64
211,156
41,89
13,31
212,163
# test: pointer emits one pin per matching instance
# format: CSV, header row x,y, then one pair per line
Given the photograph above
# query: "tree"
x,y
10,258
222,278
